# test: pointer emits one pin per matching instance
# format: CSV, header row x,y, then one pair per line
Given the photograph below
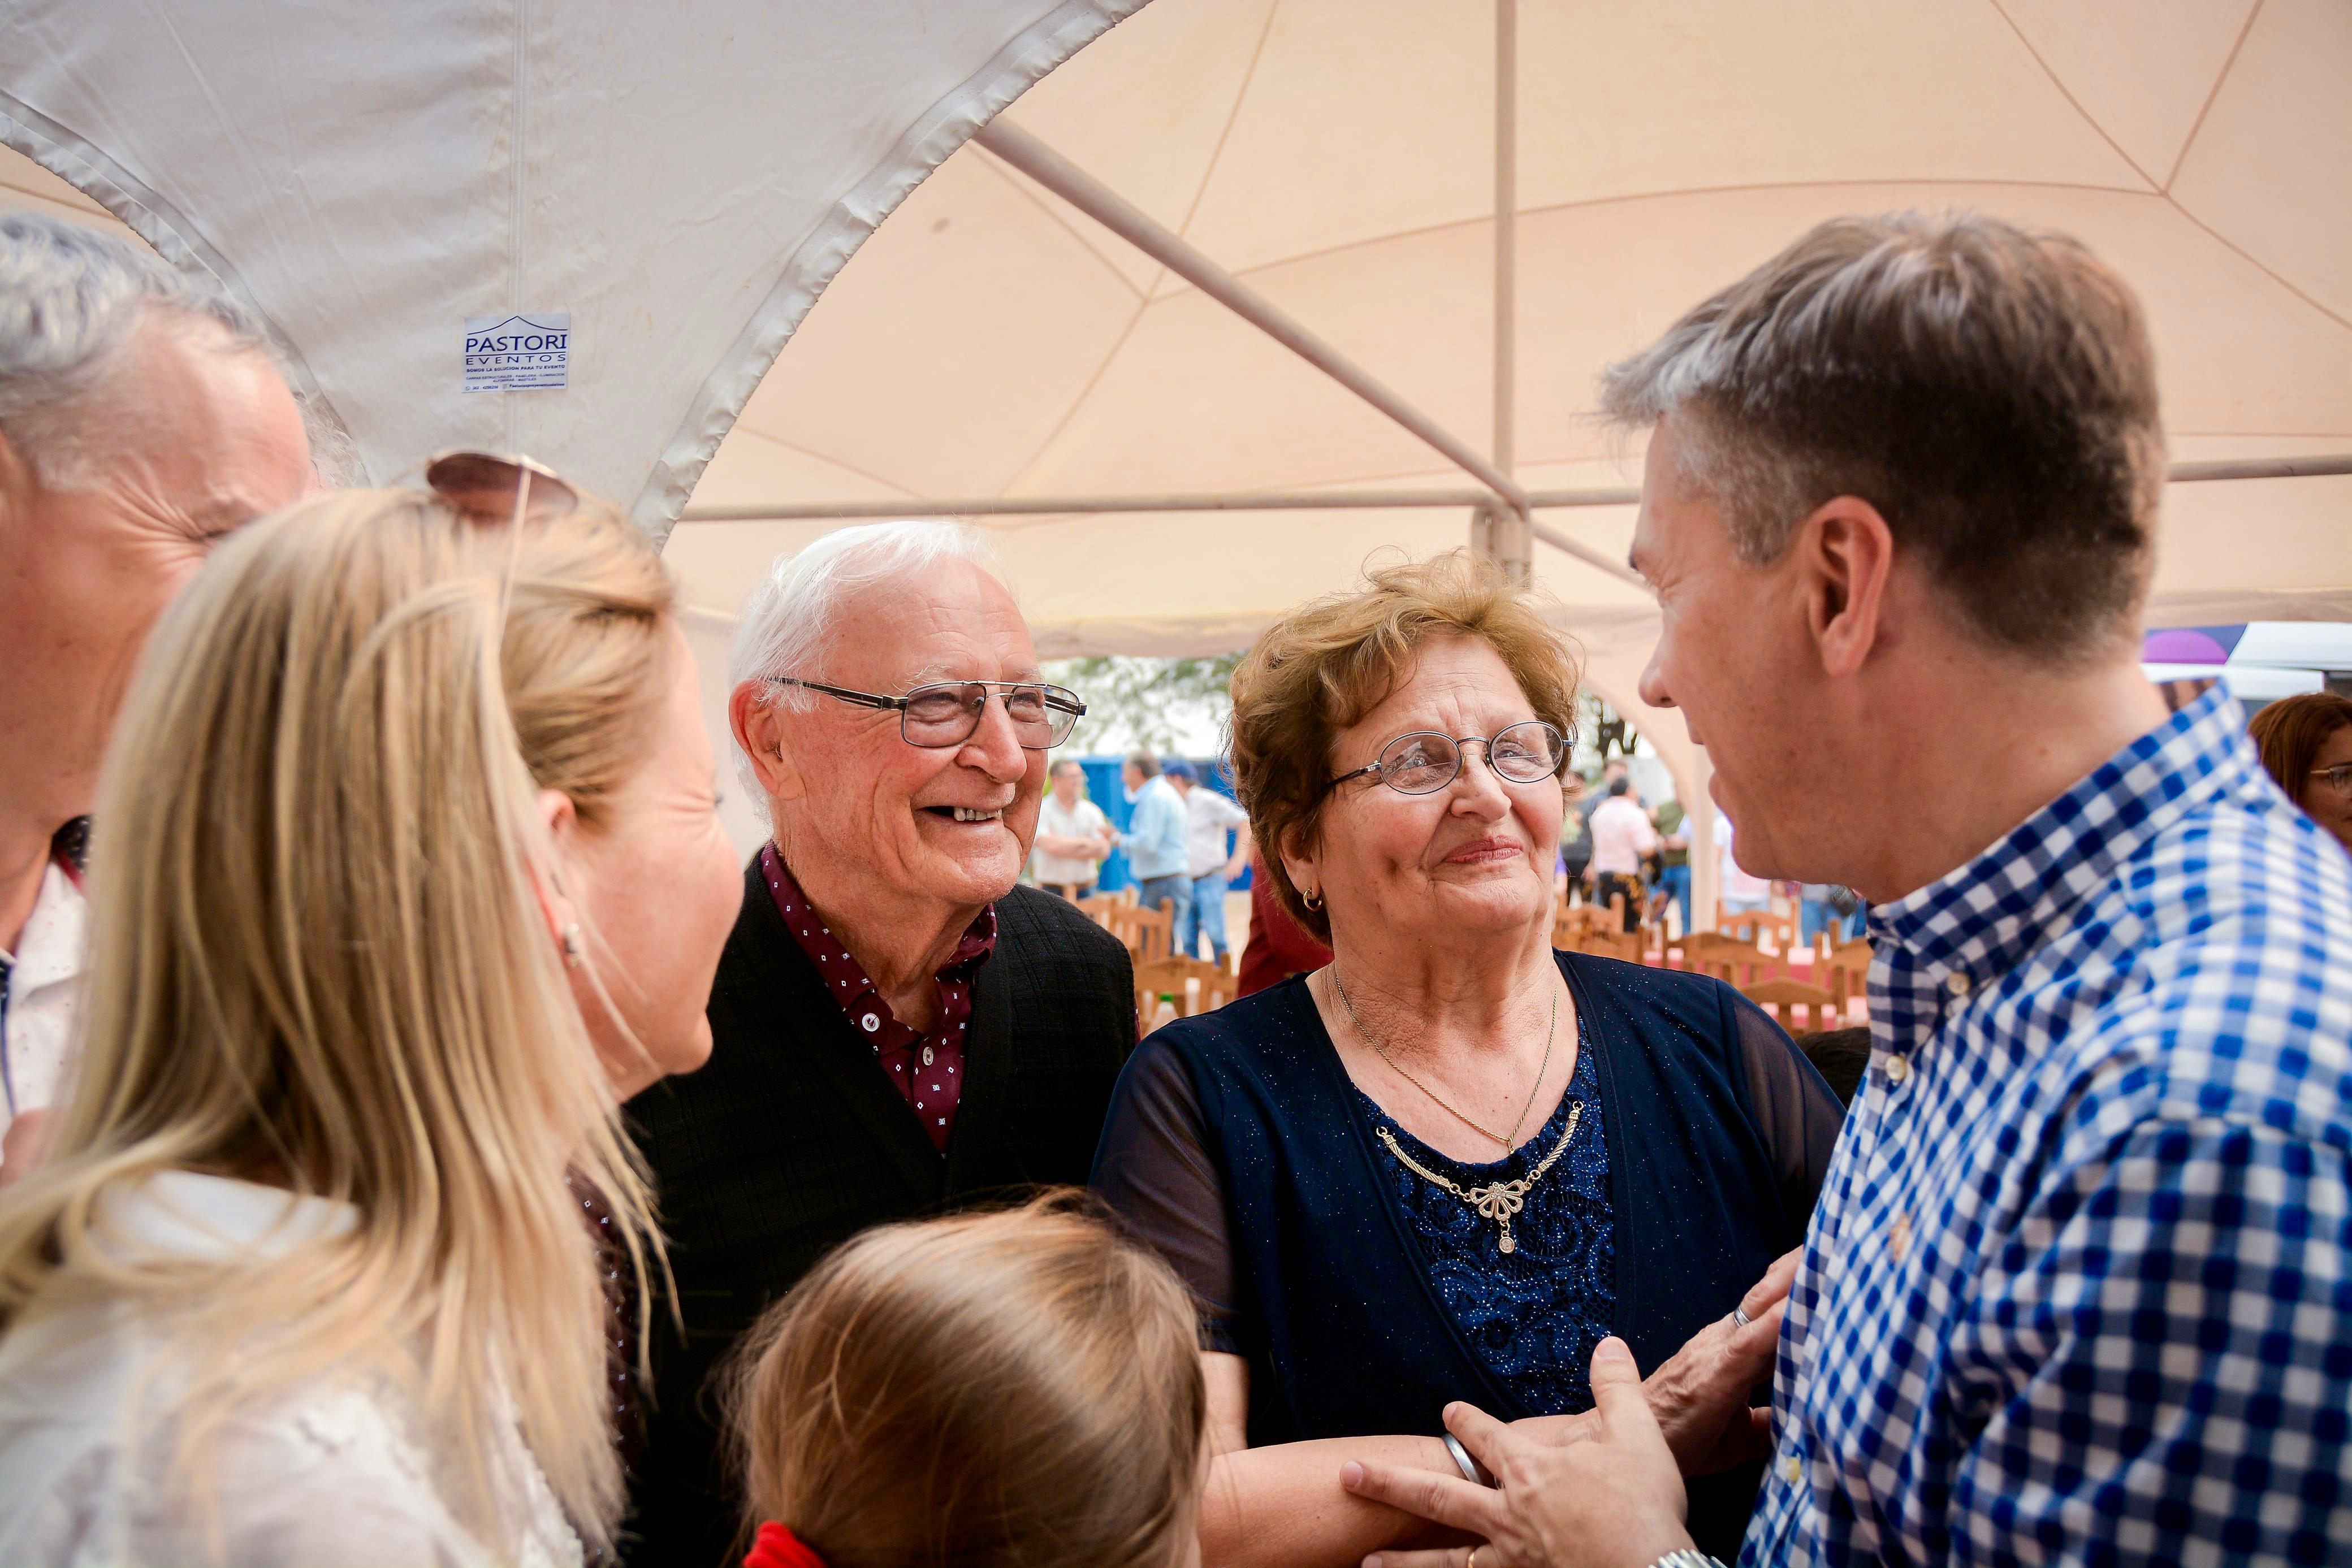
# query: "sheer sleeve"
x,y
1795,1109
1155,1171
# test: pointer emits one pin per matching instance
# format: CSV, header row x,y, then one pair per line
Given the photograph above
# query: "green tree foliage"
x,y
1165,705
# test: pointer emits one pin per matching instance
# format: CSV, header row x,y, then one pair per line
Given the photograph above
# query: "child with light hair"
x,y
1019,1389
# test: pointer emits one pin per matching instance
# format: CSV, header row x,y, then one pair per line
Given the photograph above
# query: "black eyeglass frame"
x,y
1059,700
1378,768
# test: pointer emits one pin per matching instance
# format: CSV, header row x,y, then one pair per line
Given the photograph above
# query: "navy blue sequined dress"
x,y
1532,1314
1363,1298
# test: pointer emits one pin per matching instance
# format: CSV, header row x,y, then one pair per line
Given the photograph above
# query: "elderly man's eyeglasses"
x,y
945,714
1424,761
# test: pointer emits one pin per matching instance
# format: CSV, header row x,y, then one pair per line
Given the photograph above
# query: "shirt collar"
x,y
1982,918
188,1215
978,941
55,944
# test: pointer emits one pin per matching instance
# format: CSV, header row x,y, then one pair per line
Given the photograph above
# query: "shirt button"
x,y
1792,1470
1957,983
1898,1068
869,1023
926,1056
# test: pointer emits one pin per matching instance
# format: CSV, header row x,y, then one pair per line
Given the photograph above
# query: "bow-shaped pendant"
x,y
1498,1203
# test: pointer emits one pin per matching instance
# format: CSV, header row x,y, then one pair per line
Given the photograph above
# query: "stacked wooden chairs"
x,y
1182,988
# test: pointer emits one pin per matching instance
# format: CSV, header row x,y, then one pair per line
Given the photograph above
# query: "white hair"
x,y
70,299
792,616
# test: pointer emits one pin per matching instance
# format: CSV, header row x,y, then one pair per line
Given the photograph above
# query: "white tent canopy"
x,y
1339,158
685,182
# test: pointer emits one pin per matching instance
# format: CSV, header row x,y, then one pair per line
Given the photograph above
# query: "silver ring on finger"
x,y
1739,1317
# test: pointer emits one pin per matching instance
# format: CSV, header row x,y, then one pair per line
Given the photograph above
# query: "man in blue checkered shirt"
x,y
2079,1286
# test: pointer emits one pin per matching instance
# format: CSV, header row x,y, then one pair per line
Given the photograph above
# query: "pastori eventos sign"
x,y
517,353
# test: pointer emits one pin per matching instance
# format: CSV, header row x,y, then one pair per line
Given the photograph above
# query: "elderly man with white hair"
x,y
898,1028
142,422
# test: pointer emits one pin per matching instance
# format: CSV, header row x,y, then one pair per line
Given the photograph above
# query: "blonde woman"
x,y
1010,1390
407,871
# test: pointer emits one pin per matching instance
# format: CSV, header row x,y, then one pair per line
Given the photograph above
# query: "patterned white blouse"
x,y
336,1471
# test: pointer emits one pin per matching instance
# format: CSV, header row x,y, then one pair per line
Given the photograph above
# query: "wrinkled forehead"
x,y
955,622
1456,685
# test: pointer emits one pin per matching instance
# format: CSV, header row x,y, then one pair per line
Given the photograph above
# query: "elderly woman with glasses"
x,y
2306,746
1448,1165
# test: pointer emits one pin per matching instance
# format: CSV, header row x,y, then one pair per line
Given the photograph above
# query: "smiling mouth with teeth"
x,y
966,813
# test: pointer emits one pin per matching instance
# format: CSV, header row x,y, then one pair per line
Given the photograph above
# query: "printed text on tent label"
x,y
517,353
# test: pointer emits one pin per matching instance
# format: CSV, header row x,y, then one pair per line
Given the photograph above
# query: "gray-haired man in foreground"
x,y
141,420
2079,1286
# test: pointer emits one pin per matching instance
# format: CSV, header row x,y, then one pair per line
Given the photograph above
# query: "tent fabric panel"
x,y
240,161
2142,76
370,179
1170,76
1721,93
2267,171
944,126
977,285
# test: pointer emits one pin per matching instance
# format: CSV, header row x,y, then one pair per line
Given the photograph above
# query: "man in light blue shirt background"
x,y
1156,853
1209,819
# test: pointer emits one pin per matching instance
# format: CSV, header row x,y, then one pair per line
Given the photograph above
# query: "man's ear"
x,y
761,730
1846,555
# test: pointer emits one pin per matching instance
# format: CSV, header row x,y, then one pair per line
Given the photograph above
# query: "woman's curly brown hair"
x,y
1325,665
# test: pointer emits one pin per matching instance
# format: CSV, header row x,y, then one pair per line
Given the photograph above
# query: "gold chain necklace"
x,y
1533,1089
1499,1200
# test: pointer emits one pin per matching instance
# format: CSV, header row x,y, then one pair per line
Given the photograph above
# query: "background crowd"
x,y
426,1144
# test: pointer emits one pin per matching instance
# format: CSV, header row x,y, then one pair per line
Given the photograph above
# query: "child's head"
x,y
1013,1388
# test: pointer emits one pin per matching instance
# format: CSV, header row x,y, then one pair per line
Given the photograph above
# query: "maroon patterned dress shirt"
x,y
928,1069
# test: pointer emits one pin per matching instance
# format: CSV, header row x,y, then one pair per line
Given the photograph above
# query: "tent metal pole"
x,y
1024,152
2262,469
1507,535
2236,468
1053,506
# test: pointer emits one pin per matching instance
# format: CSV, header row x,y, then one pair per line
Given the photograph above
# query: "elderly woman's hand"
x,y
1612,1501
1699,1397
1700,1393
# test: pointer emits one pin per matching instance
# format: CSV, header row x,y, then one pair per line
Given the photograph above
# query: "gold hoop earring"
x,y
1313,901
571,945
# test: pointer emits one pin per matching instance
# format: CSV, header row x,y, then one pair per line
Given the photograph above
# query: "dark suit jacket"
x,y
792,1139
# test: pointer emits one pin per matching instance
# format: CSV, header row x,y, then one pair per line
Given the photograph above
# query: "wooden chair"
x,y
1694,950
1608,944
1188,985
1845,971
1786,997
1745,924
1739,966
1096,907
1148,933
1572,923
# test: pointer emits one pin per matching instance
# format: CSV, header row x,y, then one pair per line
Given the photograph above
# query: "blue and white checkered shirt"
x,y
2079,1287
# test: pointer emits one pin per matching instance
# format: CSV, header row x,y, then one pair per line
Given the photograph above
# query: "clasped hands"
x,y
1604,1489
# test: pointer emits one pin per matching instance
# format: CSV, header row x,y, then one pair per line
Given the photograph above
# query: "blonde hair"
x,y
1328,663
990,1390
320,959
